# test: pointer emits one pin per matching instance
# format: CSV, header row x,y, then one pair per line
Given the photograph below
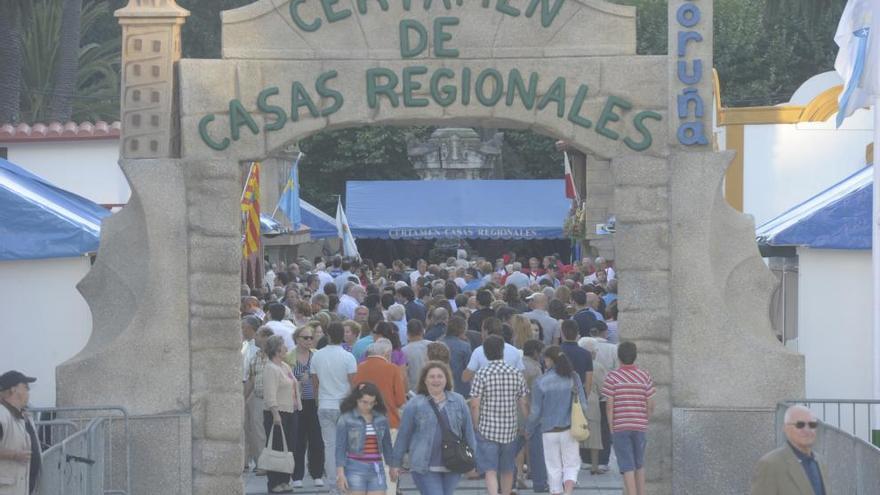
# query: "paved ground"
x,y
606,484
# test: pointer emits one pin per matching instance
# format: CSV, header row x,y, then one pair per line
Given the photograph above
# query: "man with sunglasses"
x,y
793,469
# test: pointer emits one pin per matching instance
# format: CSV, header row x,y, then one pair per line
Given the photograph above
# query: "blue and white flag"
x,y
349,248
289,202
858,36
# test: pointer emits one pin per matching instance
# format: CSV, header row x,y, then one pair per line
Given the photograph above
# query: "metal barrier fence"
x,y
79,445
851,416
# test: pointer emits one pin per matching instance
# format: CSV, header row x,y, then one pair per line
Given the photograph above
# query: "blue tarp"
x,y
40,220
320,224
457,209
837,218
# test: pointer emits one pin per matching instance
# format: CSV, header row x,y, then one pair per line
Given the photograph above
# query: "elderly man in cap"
x,y
19,447
793,469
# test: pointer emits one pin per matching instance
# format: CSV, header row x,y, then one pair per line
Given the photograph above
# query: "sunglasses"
x,y
800,425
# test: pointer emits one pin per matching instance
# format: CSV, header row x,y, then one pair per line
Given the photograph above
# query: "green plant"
x,y
97,84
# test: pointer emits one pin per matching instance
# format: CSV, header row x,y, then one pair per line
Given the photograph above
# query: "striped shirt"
x,y
371,447
303,375
630,387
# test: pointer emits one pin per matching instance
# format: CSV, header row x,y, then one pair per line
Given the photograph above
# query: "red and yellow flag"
x,y
250,212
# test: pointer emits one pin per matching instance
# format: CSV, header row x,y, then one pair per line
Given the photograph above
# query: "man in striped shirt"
x,y
630,393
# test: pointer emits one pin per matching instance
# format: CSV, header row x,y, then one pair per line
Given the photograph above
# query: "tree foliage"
x,y
362,153
764,49
96,94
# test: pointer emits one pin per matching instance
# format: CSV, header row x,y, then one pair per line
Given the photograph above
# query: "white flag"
x,y
858,36
349,248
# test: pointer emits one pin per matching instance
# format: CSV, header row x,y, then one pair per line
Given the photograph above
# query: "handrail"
x,y
842,406
97,409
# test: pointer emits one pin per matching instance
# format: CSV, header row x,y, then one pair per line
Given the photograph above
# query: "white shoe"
x,y
298,484
319,482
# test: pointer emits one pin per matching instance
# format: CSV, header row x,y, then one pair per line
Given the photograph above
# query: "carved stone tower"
x,y
150,49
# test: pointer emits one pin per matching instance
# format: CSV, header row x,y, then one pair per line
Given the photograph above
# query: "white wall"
x,y
45,321
86,167
785,165
834,322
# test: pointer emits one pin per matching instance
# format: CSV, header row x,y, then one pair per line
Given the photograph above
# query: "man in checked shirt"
x,y
496,391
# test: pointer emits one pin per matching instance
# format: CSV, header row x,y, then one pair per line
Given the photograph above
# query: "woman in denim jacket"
x,y
363,439
420,432
551,411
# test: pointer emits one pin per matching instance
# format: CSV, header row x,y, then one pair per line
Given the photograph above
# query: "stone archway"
x,y
164,292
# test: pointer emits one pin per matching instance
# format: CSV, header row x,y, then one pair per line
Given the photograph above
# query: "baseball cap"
x,y
13,378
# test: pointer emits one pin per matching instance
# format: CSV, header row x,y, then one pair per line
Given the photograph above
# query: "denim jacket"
x,y
419,424
351,432
551,401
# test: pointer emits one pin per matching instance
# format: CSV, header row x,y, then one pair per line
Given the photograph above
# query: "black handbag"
x,y
456,453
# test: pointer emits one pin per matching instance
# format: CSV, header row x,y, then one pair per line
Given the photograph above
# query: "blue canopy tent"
x,y
457,209
320,224
837,218
40,220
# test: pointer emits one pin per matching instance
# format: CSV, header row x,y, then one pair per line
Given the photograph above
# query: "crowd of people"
x,y
443,370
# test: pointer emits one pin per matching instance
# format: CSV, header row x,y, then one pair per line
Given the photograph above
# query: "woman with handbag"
x,y
363,439
559,409
437,432
280,401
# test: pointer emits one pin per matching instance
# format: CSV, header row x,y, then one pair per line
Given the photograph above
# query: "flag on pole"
x,y
349,248
570,190
858,36
251,261
289,202
250,212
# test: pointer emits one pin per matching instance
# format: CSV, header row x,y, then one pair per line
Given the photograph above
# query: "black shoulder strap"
x,y
447,431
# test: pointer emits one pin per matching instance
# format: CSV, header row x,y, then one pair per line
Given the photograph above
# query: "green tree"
x,y
764,49
66,62
361,153
528,155
11,14
201,33
96,94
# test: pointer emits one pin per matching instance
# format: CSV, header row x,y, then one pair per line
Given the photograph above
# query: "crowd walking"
x,y
464,368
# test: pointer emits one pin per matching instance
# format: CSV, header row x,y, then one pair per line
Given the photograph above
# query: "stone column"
x,y
212,191
640,203
598,190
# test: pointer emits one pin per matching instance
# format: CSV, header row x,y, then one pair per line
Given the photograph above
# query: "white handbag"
x,y
274,460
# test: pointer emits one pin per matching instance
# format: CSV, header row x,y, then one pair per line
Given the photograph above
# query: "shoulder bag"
x,y
456,453
579,428
274,460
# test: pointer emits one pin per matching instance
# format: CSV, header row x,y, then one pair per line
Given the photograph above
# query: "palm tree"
x,y
11,14
67,62
95,93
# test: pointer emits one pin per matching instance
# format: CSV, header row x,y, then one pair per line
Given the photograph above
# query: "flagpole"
x,y
875,251
244,190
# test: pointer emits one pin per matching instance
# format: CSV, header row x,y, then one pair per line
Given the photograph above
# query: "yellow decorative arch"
x,y
822,107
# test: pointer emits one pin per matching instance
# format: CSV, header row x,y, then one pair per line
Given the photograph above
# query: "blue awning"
x,y
321,224
837,218
457,209
40,220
